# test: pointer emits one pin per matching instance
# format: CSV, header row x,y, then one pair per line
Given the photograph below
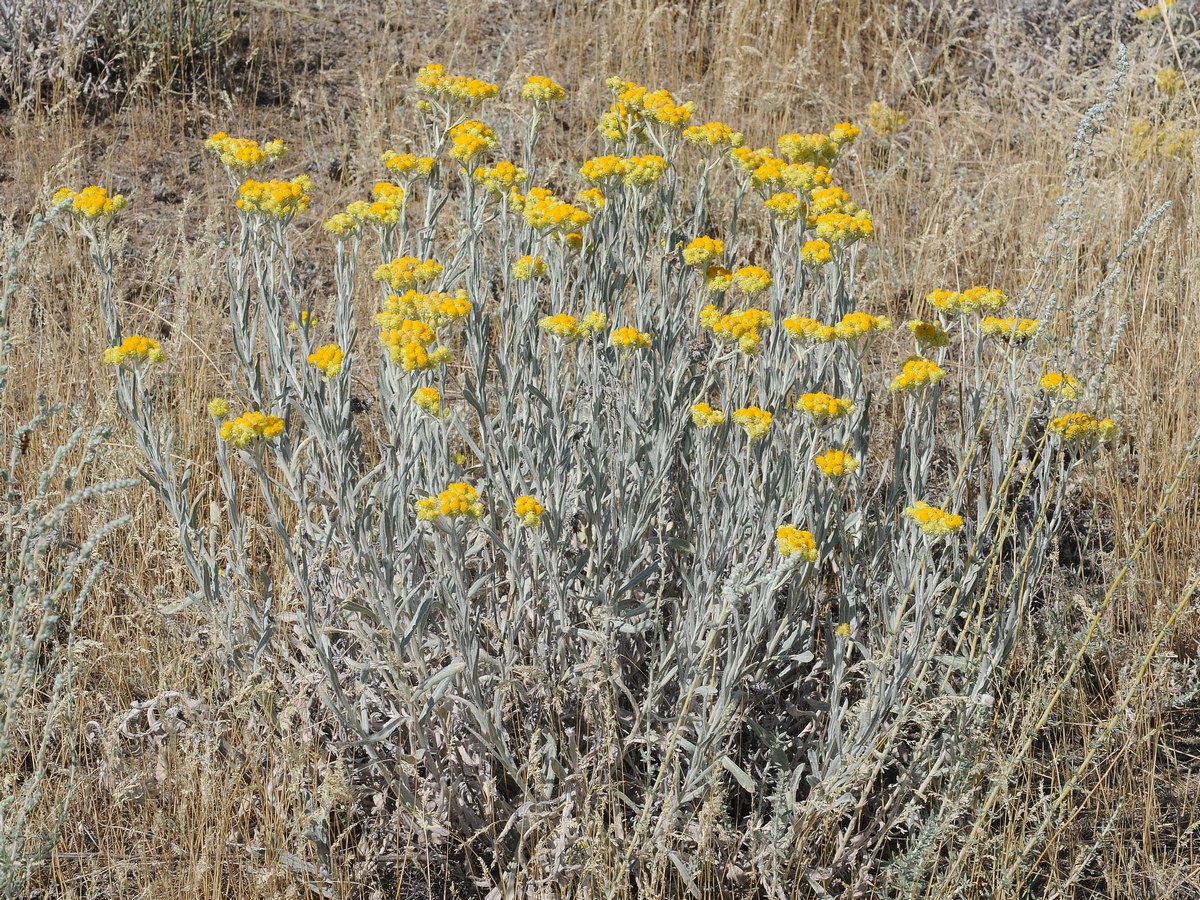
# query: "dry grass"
x,y
225,803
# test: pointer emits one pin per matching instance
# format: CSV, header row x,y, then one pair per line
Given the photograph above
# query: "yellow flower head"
x,y
933,521
251,428
928,334
835,463
1060,384
816,253
548,214
568,328
308,320
713,136
134,350
1083,428
500,178
1012,330
816,149
1154,10
592,199
823,408
704,416
784,206
703,250
830,200
741,328
429,401
856,325
748,161
756,422
242,154
90,203
529,511
752,280
470,139
328,359
408,273
435,309
917,373
718,279
343,225
413,356
884,120
433,80
792,541
971,300
629,339
275,199
540,90
528,267
802,328
1169,81
643,171
457,500
805,177
844,229
218,407
407,165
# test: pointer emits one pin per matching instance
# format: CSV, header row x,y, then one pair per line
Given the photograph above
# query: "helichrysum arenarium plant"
x,y
625,531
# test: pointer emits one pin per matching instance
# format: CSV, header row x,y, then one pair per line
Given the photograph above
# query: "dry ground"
x,y
964,194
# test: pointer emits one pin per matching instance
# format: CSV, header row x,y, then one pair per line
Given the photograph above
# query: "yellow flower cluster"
x,y
856,325
570,329
432,79
471,138
714,135
1169,81
251,428
643,171
1079,426
792,541
592,199
928,334
134,349
435,308
1168,140
275,199
342,225
1012,330
656,106
885,120
458,499
408,273
528,267
412,355
408,165
500,178
429,400
328,359
308,320
547,213
742,328
384,211
816,253
604,169
844,229
785,205
1154,10
540,90
835,463
704,416
1060,384
830,200
718,279
703,250
971,300
775,175
817,149
529,511
756,422
917,372
629,339
218,407
802,328
243,154
933,521
92,202
749,161
752,280
823,408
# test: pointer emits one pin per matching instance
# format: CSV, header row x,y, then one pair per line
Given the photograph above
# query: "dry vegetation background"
x,y
189,791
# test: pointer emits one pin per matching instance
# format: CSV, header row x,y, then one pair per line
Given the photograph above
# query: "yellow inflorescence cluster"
x,y
93,202
1081,426
1060,384
458,499
547,213
884,119
917,373
528,267
529,510
703,250
429,400
857,325
275,199
928,335
843,229
754,421
933,521
752,280
251,428
714,135
784,206
818,149
975,299
500,178
635,105
408,165
629,339
835,463
742,328
705,416
793,541
133,350
471,138
242,154
802,328
435,308
816,253
408,273
1154,10
433,80
540,90
568,328
328,359
823,408
1012,330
